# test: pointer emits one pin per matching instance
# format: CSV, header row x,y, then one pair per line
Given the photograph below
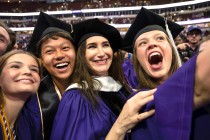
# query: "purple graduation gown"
x,y
36,118
76,119
29,121
174,118
129,73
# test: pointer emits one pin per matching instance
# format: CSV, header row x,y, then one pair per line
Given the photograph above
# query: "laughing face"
x,y
154,54
99,55
58,57
20,76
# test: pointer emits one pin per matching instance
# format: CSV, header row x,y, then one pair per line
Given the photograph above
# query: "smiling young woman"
x,y
19,79
98,92
182,99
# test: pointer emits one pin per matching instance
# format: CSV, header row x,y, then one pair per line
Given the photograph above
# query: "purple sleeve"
x,y
173,103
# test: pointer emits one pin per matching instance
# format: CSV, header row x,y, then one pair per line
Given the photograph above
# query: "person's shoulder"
x,y
73,94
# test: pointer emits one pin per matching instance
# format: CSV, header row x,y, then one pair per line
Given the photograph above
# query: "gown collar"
x,y
107,84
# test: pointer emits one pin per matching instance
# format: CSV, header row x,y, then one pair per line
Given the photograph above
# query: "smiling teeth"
x,y
26,81
100,60
61,64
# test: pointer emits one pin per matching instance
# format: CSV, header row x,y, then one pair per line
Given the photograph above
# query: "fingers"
x,y
145,115
142,98
183,46
129,115
143,94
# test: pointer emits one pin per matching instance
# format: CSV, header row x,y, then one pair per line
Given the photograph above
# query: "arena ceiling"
x,y
158,1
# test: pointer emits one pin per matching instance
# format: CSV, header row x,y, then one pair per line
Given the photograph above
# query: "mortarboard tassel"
x,y
173,43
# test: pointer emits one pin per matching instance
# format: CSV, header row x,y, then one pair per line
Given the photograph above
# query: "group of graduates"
x,y
88,91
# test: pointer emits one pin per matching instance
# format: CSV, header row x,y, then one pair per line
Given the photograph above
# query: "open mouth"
x,y
61,65
155,58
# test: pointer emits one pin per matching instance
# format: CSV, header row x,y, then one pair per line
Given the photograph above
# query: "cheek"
x,y
140,54
110,54
3,46
87,55
6,77
37,77
168,54
46,60
72,55
90,54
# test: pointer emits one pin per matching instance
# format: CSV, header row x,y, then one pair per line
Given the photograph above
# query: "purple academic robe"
x,y
29,121
129,73
174,118
76,118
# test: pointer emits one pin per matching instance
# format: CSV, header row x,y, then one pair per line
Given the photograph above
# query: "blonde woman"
x,y
19,79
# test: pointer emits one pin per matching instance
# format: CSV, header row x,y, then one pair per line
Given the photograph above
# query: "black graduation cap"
x,y
92,27
43,23
145,21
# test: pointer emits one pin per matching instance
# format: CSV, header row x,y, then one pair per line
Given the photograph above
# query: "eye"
x,y
106,45
142,43
91,46
2,40
48,51
34,69
15,66
66,48
160,38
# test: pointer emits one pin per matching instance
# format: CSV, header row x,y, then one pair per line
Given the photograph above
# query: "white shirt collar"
x,y
108,84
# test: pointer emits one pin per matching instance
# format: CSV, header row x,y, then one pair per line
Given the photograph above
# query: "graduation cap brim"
x,y
86,28
43,22
146,18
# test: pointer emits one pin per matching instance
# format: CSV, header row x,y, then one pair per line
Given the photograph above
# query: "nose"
x,y
26,70
151,46
194,34
101,51
59,55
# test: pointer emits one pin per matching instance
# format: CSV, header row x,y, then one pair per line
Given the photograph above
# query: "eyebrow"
x,y
18,62
105,42
2,36
96,42
92,43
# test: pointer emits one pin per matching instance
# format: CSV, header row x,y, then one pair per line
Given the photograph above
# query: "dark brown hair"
x,y
83,74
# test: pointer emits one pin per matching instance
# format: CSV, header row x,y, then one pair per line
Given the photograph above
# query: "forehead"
x,y
150,34
4,33
194,31
54,39
23,58
96,39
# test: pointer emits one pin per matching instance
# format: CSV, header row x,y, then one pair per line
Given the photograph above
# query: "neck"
x,y
193,46
12,109
62,85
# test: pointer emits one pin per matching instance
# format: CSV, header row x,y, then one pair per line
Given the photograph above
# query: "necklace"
x,y
8,132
